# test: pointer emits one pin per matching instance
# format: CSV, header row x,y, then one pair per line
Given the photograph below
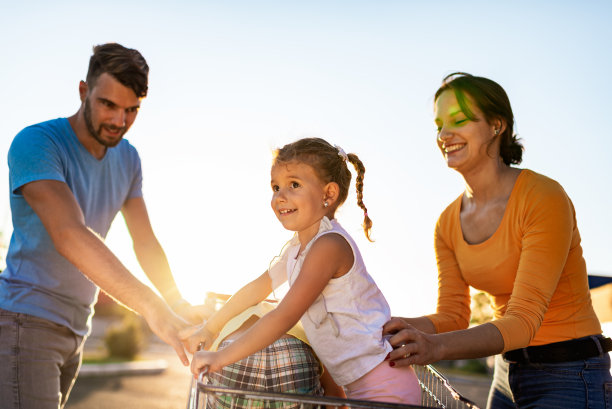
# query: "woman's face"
x,y
464,142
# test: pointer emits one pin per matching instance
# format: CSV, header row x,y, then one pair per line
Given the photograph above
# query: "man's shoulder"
x,y
47,129
57,124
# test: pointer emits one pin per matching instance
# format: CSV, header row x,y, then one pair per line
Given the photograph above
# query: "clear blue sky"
x,y
230,80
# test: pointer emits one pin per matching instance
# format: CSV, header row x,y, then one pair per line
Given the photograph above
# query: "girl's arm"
x,y
249,295
329,256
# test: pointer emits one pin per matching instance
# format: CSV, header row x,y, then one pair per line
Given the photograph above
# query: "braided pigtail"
x,y
367,222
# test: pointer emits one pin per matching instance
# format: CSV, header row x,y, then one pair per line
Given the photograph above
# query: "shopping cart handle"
x,y
202,374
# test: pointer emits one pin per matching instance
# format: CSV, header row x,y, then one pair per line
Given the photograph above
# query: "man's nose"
x,y
118,118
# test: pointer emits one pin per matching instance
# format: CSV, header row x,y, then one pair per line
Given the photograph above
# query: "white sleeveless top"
x,y
344,324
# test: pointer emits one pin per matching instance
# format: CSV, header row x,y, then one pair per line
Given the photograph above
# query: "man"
x,y
68,178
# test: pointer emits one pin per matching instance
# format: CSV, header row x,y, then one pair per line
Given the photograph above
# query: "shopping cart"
x,y
436,393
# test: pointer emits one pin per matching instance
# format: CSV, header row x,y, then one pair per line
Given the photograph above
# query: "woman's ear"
x,y
500,124
332,192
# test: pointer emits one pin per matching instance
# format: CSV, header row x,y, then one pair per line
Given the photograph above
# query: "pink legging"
x,y
386,384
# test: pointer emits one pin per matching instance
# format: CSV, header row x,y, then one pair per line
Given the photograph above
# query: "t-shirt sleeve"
x,y
136,186
33,156
547,225
453,307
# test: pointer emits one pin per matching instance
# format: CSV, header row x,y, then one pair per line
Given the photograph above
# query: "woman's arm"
x,y
329,256
416,347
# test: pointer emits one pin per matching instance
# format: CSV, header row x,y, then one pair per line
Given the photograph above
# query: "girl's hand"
x,y
205,359
197,337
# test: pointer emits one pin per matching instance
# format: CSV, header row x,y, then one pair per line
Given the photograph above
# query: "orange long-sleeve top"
x,y
531,267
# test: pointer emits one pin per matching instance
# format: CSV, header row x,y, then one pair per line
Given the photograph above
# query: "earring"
x,y
325,204
496,132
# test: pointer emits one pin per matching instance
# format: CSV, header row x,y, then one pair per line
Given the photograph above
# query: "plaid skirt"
x,y
287,365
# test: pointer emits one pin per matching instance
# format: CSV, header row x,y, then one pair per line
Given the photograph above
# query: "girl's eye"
x,y
295,185
460,121
275,188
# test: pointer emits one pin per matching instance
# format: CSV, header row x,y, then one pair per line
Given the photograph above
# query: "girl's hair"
x,y
492,100
330,166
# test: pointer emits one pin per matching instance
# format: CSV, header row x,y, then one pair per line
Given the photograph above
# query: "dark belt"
x,y
565,351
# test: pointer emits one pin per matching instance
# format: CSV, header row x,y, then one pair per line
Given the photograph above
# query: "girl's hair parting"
x,y
329,163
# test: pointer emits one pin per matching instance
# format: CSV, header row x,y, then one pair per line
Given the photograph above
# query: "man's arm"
x,y
153,261
63,219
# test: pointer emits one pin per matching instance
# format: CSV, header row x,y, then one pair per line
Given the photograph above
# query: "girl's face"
x,y
463,142
298,197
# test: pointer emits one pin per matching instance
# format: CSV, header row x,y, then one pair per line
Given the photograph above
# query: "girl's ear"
x,y
332,191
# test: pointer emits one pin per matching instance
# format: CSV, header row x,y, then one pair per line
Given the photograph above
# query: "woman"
x,y
513,234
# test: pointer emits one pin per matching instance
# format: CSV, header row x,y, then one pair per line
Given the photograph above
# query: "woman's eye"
x,y
460,121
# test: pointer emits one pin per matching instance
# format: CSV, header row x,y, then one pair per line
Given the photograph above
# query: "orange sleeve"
x,y
545,230
453,309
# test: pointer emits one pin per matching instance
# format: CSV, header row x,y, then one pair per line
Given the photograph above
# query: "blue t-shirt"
x,y
37,279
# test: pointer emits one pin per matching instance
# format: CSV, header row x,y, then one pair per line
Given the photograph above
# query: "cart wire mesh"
x,y
436,392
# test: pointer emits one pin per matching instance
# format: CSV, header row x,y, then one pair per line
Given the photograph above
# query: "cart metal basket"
x,y
436,393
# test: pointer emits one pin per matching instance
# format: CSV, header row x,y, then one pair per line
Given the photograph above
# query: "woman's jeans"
x,y
572,385
39,361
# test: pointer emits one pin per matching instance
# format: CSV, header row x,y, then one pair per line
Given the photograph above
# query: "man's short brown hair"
x,y
126,65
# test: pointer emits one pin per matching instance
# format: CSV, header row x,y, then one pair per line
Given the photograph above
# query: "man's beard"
x,y
96,133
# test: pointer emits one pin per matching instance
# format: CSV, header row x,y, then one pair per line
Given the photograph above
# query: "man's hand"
x,y
167,325
194,314
197,337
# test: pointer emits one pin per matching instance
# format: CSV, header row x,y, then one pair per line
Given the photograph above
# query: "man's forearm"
x,y
154,263
91,256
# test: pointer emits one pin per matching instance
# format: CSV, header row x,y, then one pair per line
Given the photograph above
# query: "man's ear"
x,y
83,89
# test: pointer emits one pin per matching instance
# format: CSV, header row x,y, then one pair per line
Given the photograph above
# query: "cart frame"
x,y
436,393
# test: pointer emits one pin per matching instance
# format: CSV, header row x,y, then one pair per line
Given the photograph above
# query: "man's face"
x,y
110,110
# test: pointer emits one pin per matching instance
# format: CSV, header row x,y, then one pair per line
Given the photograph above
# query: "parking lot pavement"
x,y
168,389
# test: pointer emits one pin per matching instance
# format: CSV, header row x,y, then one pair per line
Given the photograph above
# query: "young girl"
x,y
341,308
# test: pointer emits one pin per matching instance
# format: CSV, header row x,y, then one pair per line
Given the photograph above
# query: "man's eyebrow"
x,y
111,103
108,101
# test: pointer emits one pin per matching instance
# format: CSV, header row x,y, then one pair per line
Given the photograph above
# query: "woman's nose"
x,y
443,135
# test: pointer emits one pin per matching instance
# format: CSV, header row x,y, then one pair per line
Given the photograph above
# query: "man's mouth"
x,y
113,130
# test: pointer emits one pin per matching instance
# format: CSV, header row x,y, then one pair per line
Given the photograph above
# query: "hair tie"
x,y
341,153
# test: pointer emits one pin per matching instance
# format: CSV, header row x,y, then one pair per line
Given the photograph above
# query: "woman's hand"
x,y
197,337
417,346
410,345
205,360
